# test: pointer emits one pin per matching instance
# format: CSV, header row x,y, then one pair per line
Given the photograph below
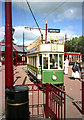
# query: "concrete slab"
x,y
2,90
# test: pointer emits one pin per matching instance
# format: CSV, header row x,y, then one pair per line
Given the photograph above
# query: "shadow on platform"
x,y
78,105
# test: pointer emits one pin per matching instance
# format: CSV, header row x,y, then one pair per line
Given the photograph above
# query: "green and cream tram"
x,y
45,61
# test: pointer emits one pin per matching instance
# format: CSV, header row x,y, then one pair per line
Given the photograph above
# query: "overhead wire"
x,y
33,16
44,17
53,11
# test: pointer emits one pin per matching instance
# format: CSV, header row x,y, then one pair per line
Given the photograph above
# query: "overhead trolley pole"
x,y
46,33
35,20
65,46
8,46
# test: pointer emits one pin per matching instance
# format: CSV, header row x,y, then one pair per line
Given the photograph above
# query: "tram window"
x,y
45,62
40,60
53,61
60,61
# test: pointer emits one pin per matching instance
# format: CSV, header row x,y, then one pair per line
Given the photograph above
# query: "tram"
x,y
45,61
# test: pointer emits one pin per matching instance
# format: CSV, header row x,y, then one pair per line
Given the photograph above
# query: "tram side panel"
x,y
54,77
46,76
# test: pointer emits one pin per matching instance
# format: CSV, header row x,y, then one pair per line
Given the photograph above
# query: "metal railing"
x,y
57,103
46,100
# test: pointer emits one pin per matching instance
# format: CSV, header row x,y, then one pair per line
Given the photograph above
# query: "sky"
x,y
66,16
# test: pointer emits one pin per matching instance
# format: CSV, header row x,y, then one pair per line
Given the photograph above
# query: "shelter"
x,y
73,56
17,53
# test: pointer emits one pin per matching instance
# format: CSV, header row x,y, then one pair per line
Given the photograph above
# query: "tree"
x,y
76,45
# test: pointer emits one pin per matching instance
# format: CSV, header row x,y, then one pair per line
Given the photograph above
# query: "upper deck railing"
x,y
55,43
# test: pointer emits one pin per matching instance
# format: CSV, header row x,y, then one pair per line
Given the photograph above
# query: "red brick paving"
x,y
19,72
72,88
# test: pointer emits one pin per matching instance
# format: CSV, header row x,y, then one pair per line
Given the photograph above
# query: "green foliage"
x,y
76,45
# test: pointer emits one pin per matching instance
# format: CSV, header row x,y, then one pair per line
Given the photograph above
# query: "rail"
x,y
57,103
46,101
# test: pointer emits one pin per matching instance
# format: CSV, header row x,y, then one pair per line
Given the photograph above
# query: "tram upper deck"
x,y
54,45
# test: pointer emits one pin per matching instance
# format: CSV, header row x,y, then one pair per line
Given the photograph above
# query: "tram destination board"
x,y
54,30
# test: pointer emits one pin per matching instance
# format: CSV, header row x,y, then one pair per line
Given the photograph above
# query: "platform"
x,y
72,88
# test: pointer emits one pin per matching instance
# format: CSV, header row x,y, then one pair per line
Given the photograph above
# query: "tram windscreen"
x,y
53,61
45,62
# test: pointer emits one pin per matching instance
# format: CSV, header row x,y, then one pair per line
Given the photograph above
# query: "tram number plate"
x,y
56,98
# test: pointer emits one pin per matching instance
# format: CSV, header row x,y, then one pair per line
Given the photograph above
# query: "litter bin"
x,y
17,103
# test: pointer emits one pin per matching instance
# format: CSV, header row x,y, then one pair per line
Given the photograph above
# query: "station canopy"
x,y
18,48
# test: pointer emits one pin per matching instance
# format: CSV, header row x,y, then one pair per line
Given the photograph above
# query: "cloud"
x,y
47,9
69,11
69,31
73,36
15,41
55,11
28,42
48,0
2,32
28,34
31,35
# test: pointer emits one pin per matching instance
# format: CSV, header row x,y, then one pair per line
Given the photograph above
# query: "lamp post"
x,y
8,46
23,59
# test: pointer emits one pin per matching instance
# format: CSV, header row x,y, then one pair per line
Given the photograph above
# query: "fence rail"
x,y
57,103
46,100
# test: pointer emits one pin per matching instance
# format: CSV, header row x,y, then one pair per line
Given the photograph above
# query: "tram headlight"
x,y
54,77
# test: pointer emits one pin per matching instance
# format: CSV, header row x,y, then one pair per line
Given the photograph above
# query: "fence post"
x,y
47,100
64,106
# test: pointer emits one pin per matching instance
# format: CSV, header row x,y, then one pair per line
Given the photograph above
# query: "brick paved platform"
x,y
72,88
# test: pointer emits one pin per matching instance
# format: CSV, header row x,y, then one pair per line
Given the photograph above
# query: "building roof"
x,y
18,48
